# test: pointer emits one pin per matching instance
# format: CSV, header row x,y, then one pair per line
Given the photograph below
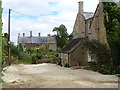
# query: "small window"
x,y
96,23
66,56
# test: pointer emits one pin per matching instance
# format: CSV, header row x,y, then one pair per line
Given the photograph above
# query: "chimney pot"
x,y
23,34
30,33
39,34
49,38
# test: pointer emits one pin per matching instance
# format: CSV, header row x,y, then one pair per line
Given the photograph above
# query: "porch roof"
x,y
69,47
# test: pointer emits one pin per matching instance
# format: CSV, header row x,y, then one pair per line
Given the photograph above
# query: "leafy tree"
x,y
112,24
62,36
20,48
4,45
14,51
70,37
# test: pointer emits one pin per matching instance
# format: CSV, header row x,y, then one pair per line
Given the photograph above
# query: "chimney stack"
x,y
49,38
18,35
30,33
80,7
39,34
23,34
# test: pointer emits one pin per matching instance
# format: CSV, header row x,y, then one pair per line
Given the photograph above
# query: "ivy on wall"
x,y
112,24
98,51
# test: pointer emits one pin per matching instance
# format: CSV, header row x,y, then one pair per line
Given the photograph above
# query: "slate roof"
x,y
88,15
72,45
35,40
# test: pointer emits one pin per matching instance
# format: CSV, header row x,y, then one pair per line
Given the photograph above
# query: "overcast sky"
x,y
42,15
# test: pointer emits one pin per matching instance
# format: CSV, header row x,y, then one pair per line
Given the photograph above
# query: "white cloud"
x,y
67,11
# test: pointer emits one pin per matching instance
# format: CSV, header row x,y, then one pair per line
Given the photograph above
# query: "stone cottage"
x,y
37,41
73,52
88,25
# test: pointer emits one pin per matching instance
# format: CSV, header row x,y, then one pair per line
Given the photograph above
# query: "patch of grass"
x,y
22,62
89,67
1,80
12,87
14,82
110,81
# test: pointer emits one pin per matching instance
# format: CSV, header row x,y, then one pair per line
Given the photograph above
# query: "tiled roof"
x,y
36,40
71,45
88,15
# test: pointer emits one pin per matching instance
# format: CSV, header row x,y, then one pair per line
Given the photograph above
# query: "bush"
x,y
23,59
66,65
103,69
54,59
34,58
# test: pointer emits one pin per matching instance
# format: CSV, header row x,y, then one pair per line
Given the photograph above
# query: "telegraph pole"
x,y
9,62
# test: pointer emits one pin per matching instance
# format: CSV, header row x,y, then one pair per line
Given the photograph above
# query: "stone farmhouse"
x,y
90,26
37,41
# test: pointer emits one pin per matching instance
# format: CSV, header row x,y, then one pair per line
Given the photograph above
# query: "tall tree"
x,y
62,35
112,24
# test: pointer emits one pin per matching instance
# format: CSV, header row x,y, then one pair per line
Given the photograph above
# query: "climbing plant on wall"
x,y
98,51
112,24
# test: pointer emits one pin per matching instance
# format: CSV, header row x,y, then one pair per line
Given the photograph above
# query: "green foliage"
x,y
31,50
14,50
98,50
54,59
103,69
6,35
4,46
112,25
62,36
20,48
15,82
1,80
70,37
36,57
39,54
24,59
66,65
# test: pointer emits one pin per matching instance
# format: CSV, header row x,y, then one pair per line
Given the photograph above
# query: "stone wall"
x,y
79,55
97,28
64,58
79,27
87,26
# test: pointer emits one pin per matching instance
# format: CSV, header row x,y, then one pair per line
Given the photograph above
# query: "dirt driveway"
x,y
54,76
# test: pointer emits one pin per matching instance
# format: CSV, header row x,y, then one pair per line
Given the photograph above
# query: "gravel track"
x,y
53,76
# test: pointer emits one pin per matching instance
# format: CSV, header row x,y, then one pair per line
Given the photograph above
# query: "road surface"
x,y
54,76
